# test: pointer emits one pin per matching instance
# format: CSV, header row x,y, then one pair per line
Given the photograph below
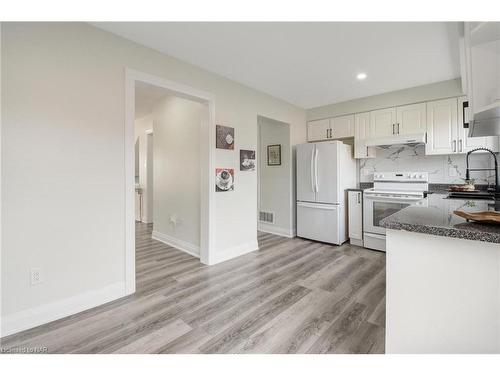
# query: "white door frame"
x,y
207,162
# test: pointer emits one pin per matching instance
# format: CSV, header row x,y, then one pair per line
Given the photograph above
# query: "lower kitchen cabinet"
x,y
355,212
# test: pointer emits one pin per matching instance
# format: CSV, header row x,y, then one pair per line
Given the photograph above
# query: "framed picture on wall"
x,y
224,179
274,155
224,137
247,160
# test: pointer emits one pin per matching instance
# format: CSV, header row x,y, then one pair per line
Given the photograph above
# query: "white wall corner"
x,y
233,252
273,229
29,318
182,245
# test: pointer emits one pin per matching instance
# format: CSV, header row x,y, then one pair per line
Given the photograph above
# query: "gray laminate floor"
x,y
291,296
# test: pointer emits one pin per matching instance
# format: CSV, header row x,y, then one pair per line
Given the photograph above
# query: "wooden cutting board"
x,y
490,217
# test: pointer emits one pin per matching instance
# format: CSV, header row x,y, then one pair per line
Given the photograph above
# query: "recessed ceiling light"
x,y
361,76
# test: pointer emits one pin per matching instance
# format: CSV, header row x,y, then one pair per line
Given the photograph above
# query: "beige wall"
x,y
417,94
63,152
176,169
143,125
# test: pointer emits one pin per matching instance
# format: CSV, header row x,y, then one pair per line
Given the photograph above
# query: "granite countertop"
x,y
354,189
436,217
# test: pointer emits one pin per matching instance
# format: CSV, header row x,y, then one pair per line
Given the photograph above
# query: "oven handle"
x,y
392,199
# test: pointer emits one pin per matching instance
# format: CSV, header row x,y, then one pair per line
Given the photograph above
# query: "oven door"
x,y
380,206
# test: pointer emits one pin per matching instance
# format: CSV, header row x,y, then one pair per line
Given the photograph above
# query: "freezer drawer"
x,y
319,222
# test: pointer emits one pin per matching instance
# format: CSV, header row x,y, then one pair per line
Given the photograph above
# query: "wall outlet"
x,y
35,276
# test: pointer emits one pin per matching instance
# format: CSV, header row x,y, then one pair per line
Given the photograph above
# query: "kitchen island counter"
x,y
443,279
435,216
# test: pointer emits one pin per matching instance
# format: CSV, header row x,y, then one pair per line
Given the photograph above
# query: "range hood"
x,y
395,140
486,122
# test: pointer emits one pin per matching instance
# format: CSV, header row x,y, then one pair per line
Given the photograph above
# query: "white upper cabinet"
x,y
406,119
442,129
361,130
466,143
329,129
448,132
318,130
382,123
411,119
342,127
480,62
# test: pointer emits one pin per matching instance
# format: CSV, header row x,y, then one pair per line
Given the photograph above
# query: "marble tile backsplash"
x,y
443,169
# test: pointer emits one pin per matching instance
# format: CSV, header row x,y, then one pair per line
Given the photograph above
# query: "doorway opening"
x,y
275,186
170,133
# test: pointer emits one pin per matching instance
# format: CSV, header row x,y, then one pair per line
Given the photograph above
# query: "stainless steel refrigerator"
x,y
324,171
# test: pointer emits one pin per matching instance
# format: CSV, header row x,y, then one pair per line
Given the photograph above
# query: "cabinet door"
x,y
342,127
383,122
361,130
318,130
466,143
411,119
442,129
355,215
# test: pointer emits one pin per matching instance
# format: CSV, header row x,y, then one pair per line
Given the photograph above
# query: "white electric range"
x,y
391,192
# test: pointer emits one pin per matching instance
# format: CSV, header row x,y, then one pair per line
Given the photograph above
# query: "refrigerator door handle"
x,y
316,169
312,168
321,206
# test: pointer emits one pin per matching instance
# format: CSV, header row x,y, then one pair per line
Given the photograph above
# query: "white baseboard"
x,y
273,229
233,252
356,242
185,246
36,316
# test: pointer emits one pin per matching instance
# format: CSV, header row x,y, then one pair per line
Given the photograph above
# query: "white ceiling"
x,y
309,64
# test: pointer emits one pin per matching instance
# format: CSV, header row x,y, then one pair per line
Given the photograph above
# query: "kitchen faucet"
x,y
468,170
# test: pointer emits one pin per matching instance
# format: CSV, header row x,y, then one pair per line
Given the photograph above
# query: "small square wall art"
x,y
247,160
274,155
224,137
224,179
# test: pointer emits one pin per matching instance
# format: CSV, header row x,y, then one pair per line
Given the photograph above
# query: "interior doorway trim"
x,y
207,163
